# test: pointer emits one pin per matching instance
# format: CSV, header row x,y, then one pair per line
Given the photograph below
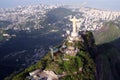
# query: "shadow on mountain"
x,y
107,61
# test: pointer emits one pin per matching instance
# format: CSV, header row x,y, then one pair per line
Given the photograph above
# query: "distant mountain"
x,y
109,32
57,14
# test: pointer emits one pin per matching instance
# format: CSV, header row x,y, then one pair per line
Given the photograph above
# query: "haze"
x,y
101,4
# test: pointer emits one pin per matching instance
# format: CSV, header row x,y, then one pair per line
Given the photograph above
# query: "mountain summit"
x,y
70,60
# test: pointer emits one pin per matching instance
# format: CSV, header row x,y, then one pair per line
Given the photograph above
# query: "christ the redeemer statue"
x,y
74,25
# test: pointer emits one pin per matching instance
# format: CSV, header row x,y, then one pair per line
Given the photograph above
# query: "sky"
x,y
101,4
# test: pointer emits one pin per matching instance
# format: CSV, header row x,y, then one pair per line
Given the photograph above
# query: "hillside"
x,y
57,14
108,52
107,61
76,67
109,32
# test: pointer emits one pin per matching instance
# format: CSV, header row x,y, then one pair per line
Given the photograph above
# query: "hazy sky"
x,y
103,4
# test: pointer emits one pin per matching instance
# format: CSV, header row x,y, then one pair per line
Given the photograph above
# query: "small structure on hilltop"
x,y
42,75
52,51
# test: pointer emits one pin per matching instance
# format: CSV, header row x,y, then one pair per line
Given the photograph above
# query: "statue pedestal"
x,y
74,34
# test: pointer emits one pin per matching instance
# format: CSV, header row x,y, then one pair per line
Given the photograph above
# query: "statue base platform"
x,y
74,34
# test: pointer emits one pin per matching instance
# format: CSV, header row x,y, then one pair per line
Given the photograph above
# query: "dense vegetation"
x,y
77,67
82,60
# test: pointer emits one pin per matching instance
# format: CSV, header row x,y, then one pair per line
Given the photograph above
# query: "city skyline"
x,y
100,4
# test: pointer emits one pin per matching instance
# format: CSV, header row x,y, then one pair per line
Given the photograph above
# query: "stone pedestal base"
x,y
74,34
